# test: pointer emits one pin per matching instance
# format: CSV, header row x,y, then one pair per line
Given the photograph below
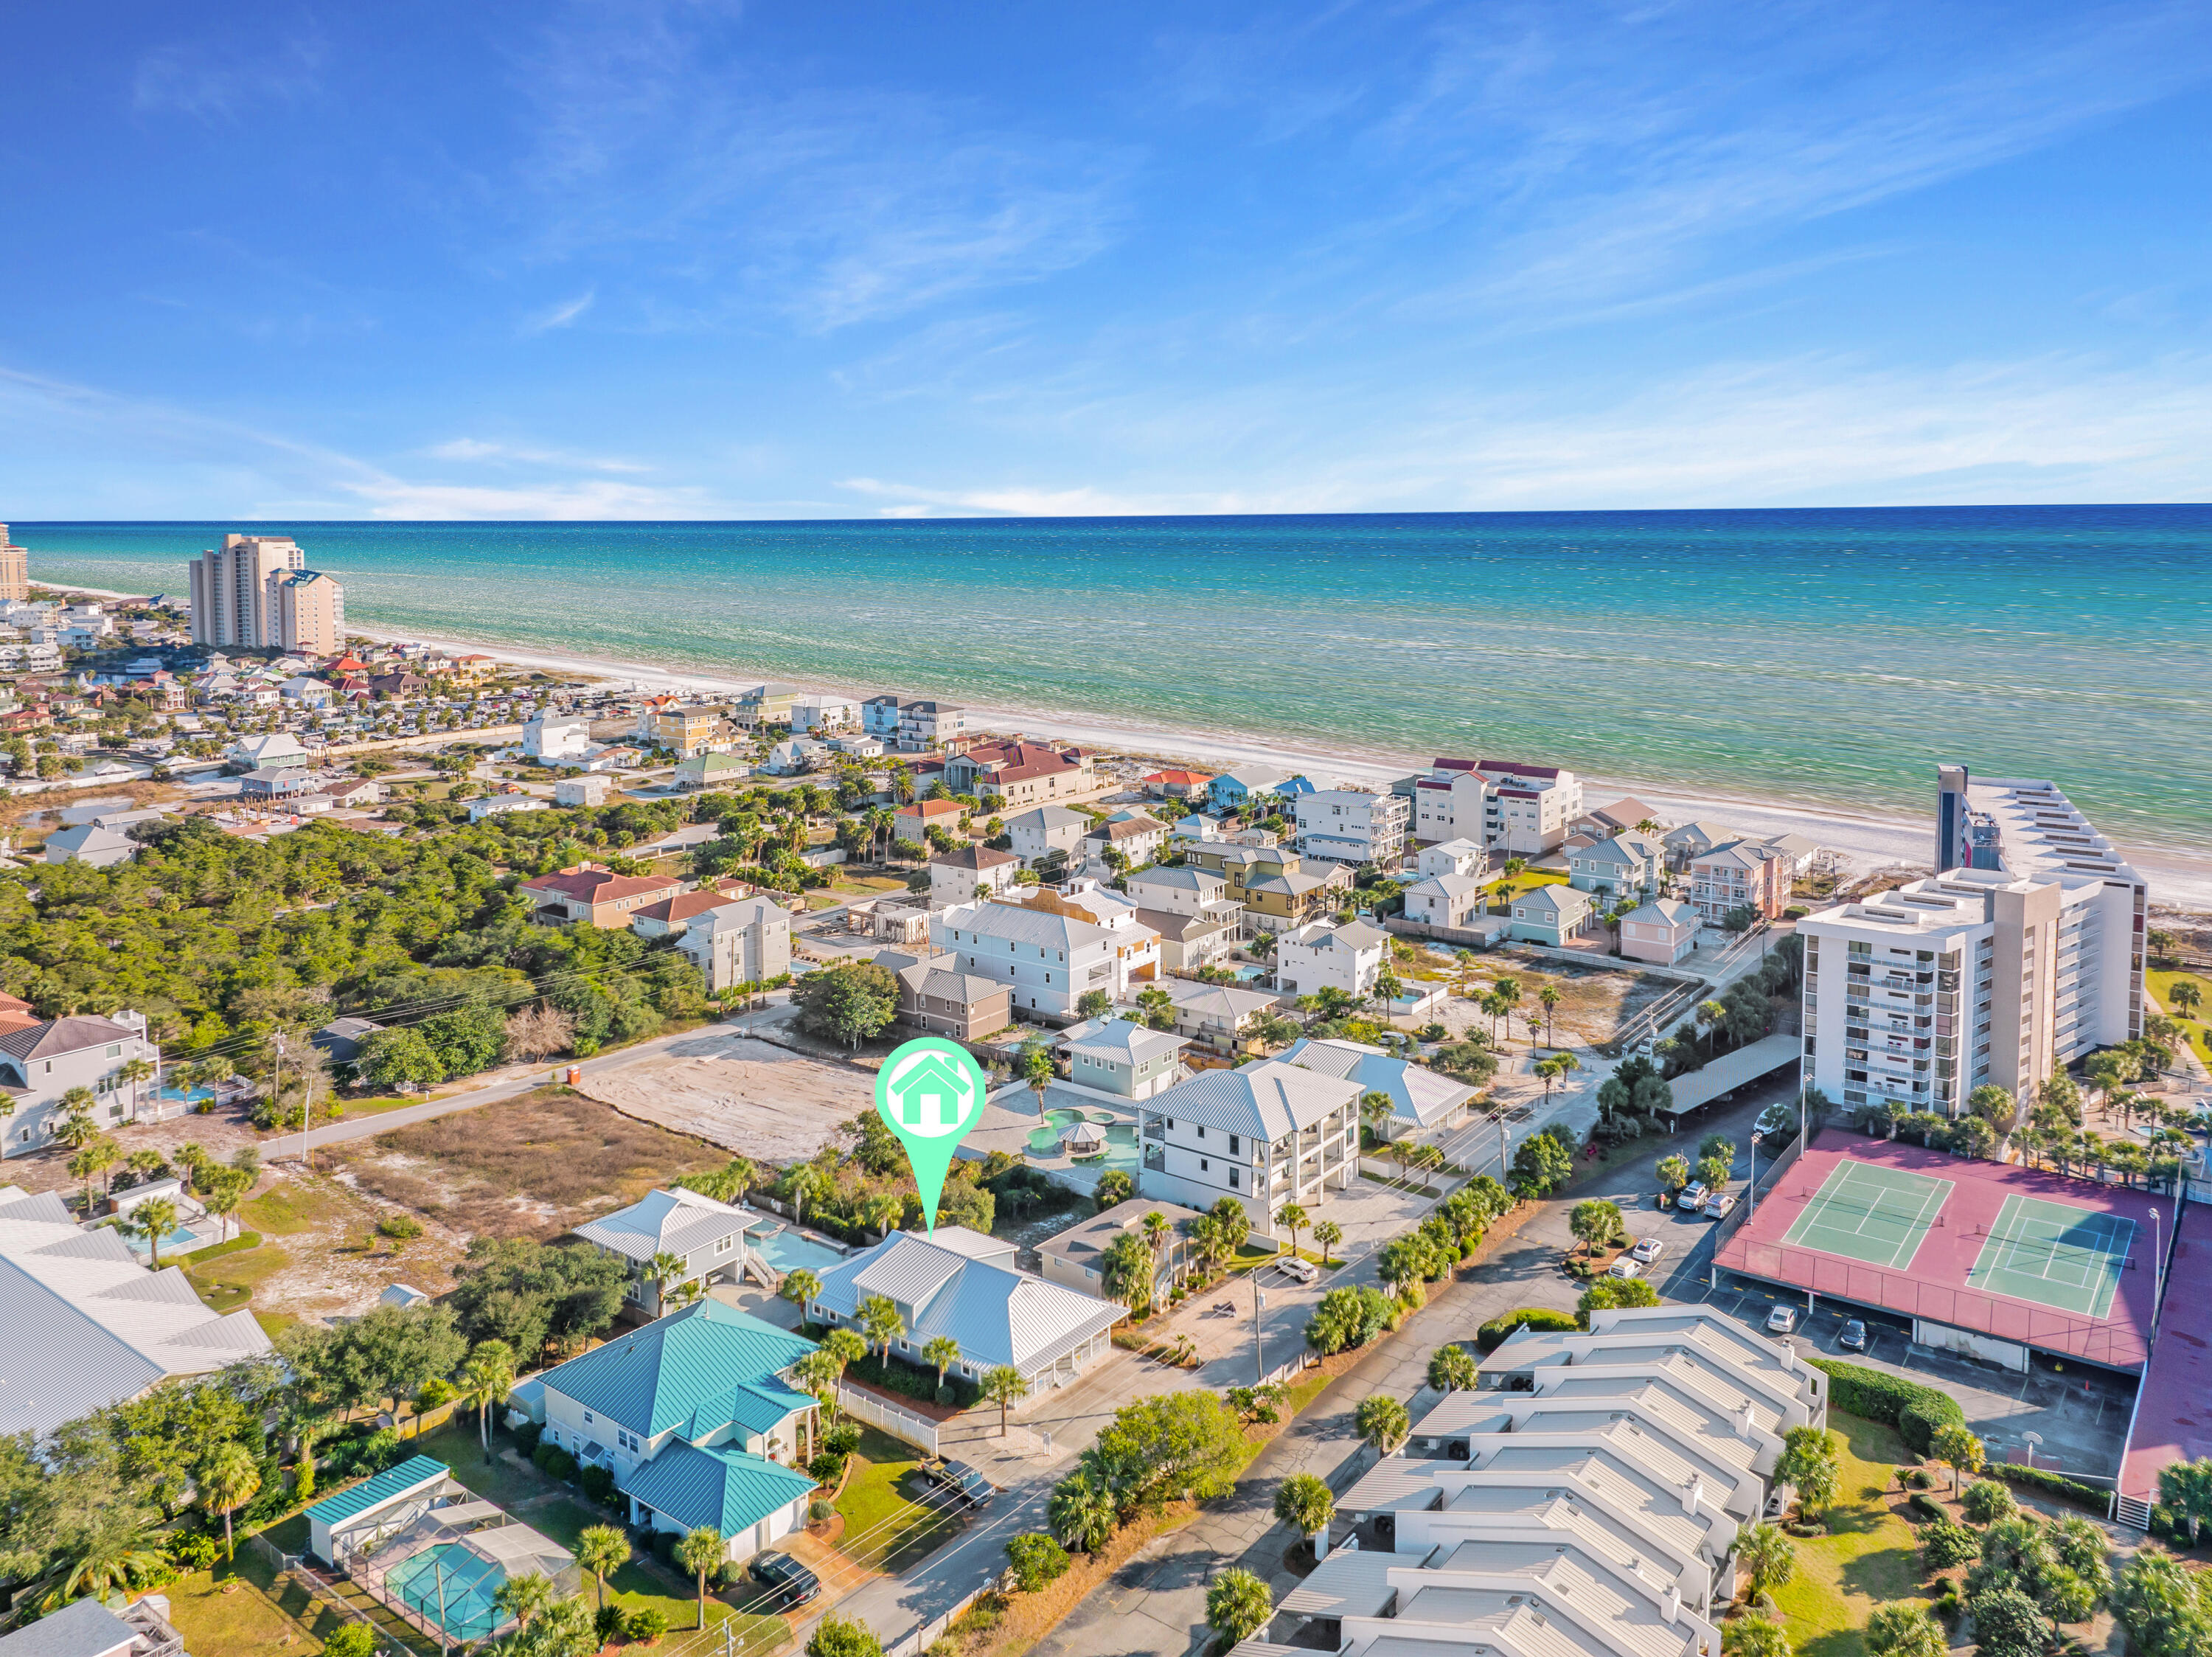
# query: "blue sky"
x,y
705,260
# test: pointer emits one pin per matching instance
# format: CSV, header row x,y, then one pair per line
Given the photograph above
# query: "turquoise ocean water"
x,y
1828,656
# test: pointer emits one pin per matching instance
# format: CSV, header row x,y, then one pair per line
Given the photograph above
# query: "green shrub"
x,y
526,1437
1944,1544
819,1511
599,1484
827,1468
350,1640
195,1551
1986,1501
1916,1411
1493,1333
554,1462
608,1622
2057,1485
644,1626
842,1439
401,1226
1037,1561
1923,1507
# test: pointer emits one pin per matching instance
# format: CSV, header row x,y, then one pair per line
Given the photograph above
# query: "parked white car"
x,y
1304,1270
1648,1251
1719,1205
1626,1267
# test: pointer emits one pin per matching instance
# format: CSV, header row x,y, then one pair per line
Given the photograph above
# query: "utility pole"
x,y
276,1077
307,1115
1751,1207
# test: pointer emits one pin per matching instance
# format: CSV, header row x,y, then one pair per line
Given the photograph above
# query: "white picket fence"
x,y
915,1429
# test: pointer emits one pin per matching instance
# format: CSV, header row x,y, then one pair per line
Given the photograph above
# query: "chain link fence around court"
x,y
2117,1343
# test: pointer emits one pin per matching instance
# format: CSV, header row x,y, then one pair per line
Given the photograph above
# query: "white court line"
x,y
1938,1189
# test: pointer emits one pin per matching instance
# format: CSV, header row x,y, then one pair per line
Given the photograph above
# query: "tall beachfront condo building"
x,y
234,601
2022,953
310,612
1517,809
14,570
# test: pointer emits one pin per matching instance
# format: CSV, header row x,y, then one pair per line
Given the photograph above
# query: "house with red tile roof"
x,y
1179,785
588,892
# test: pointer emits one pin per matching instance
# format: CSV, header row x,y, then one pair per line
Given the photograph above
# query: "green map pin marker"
x,y
931,1093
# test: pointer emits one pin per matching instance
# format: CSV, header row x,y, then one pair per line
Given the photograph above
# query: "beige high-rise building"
x,y
310,612
235,602
14,569
2024,953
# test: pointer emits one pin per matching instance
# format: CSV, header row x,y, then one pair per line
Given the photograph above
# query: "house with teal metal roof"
x,y
697,1418
397,1496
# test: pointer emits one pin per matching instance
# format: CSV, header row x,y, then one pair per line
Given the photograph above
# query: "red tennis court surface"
x,y
1932,1284
2173,1411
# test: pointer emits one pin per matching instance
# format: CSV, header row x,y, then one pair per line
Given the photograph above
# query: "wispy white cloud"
x,y
1812,431
561,315
829,206
476,449
222,80
225,466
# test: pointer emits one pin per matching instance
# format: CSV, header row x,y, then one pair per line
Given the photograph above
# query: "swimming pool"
x,y
1044,1140
785,1250
449,1588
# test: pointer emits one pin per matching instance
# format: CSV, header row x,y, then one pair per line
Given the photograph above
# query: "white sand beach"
x,y
1869,841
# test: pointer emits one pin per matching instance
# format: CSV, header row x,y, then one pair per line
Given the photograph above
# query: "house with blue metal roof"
x,y
697,1418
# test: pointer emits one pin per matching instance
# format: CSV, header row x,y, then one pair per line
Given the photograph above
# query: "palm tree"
x,y
2185,998
137,1072
1769,1556
1388,984
1329,1234
1039,1071
525,1598
486,1378
1710,1017
154,1218
1549,994
662,1269
110,1552
1305,1504
76,1130
1452,1368
944,1352
1375,1109
880,1322
1005,1387
845,1345
1383,1422
1294,1219
225,1191
800,1286
699,1552
602,1549
228,1480
1083,1512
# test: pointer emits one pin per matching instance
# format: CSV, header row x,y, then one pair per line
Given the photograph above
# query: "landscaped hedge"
x,y
2057,1485
1493,1333
1915,1410
237,1245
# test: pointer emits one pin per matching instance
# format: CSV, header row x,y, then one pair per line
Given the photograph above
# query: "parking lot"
x,y
2078,1412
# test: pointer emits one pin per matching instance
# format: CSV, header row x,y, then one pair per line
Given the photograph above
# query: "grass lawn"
x,y
296,1205
228,1283
2200,1033
1867,1559
240,1611
1528,880
889,1517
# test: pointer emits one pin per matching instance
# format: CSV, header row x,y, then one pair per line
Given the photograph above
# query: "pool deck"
x,y
1010,1116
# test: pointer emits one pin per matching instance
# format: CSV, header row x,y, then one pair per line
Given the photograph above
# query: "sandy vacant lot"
x,y
528,1166
757,1100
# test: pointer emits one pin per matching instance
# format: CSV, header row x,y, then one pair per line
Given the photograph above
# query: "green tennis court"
x,y
2058,1256
1869,1213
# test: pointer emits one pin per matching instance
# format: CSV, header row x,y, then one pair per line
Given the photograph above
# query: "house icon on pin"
x,y
931,1093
